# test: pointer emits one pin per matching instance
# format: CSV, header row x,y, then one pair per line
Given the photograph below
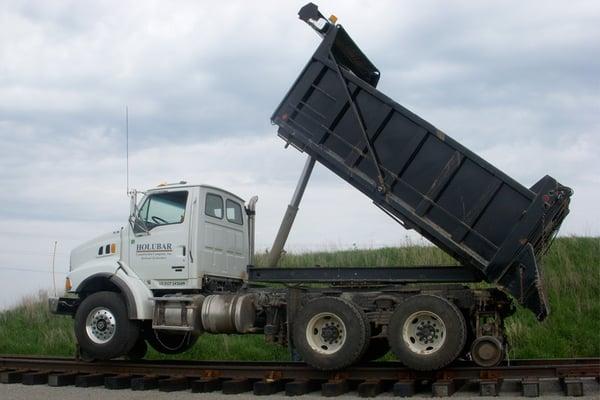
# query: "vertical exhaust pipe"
x,y
290,214
251,212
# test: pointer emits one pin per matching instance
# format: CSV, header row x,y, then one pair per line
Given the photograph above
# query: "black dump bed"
x,y
416,173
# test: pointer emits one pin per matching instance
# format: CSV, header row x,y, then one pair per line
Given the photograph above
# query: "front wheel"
x,y
427,332
138,351
102,327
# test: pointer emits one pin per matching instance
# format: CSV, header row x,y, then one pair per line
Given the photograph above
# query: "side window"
x,y
214,205
164,208
234,212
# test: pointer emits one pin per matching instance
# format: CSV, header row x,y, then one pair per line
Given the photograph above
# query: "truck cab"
x,y
181,240
184,237
180,237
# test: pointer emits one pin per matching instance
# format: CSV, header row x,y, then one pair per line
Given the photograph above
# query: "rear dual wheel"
x,y
427,332
331,333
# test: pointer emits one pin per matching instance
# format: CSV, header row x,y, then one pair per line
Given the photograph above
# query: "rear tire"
x,y
330,333
102,327
427,332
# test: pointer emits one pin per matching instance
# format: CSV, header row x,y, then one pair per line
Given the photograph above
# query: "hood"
x,y
107,245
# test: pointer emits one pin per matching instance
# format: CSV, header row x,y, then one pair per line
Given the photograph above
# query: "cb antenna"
x,y
127,146
53,271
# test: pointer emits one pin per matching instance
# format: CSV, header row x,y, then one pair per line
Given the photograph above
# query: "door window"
x,y
234,212
214,205
164,209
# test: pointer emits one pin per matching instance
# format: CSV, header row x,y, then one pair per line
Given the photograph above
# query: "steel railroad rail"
x,y
294,378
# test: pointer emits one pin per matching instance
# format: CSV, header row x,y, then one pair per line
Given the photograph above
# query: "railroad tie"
x,y
530,387
266,387
146,382
299,387
446,387
62,379
335,387
174,384
572,386
91,380
122,381
206,385
36,378
372,388
237,386
404,388
15,376
489,387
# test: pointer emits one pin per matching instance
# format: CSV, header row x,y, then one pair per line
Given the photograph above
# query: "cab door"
x,y
159,249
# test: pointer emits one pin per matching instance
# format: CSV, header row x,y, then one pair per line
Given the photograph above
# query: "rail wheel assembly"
x,y
102,327
170,343
487,351
331,333
427,332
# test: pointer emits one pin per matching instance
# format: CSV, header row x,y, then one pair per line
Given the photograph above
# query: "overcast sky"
x,y
517,82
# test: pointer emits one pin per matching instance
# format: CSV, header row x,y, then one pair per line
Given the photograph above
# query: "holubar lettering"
x,y
154,247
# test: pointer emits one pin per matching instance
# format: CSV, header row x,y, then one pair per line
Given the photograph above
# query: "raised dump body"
x,y
419,175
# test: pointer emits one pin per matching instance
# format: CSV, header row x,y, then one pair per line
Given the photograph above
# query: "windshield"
x,y
163,208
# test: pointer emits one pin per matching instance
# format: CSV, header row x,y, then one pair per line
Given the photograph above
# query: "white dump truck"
x,y
182,265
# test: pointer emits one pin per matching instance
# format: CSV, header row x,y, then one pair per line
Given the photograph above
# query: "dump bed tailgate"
x,y
416,173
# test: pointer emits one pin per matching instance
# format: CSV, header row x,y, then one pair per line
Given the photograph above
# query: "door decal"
x,y
154,251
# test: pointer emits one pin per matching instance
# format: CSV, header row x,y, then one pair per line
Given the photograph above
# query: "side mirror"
x,y
137,225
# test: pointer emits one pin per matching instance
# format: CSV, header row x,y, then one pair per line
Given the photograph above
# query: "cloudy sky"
x,y
517,82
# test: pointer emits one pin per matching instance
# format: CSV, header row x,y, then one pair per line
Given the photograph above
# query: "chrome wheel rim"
x,y
326,333
424,332
100,325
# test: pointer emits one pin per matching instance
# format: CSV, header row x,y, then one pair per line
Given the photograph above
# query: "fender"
x,y
136,294
139,292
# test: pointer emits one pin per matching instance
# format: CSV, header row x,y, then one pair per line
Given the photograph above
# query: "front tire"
x,y
138,351
331,333
102,327
427,332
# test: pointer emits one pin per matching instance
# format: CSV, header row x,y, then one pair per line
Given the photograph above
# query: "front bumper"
x,y
63,305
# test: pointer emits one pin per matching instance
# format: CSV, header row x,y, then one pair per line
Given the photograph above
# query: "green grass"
x,y
571,275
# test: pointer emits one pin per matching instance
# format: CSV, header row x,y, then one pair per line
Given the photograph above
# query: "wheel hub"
x,y
326,333
427,332
424,332
100,325
330,333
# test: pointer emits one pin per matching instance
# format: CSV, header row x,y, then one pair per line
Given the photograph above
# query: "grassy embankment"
x,y
572,279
